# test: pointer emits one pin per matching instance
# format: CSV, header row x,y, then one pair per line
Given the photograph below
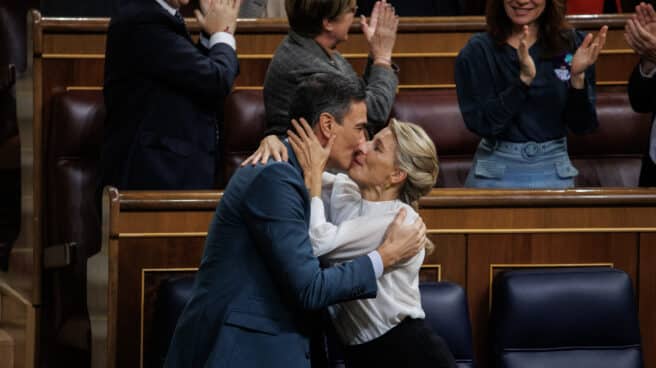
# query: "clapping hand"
x,y
380,32
218,15
640,32
527,69
586,55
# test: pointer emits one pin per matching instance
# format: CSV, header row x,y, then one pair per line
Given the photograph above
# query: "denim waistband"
x,y
528,150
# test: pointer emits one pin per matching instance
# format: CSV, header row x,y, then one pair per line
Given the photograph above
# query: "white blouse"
x,y
348,226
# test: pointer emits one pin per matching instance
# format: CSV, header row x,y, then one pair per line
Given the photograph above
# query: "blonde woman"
x,y
348,218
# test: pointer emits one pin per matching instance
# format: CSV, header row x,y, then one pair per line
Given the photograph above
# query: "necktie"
x,y
179,17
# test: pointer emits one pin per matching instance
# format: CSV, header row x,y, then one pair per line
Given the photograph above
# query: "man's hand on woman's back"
x,y
402,241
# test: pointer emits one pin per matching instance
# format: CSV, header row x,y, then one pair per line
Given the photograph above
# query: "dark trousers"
x,y
410,344
648,172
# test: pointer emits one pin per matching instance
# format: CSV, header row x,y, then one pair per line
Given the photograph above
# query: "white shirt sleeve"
x,y
345,201
325,237
219,37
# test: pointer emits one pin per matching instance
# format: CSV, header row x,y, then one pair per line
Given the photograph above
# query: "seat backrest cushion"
x,y
578,317
72,148
172,296
611,156
241,131
437,111
447,314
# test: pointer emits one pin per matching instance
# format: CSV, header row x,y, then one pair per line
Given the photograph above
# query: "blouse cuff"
x,y
317,212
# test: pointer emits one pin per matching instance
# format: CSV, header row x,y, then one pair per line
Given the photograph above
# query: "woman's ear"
x,y
328,26
326,126
398,176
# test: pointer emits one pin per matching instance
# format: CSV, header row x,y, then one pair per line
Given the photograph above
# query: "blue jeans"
x,y
529,165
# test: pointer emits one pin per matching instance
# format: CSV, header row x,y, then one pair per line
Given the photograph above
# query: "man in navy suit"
x,y
641,36
163,92
258,277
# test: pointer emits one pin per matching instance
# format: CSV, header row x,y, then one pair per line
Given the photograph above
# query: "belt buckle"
x,y
530,150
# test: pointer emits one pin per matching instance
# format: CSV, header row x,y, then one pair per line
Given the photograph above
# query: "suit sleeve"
x,y
642,91
279,227
167,56
381,83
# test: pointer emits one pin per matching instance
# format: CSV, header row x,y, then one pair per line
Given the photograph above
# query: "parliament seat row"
x,y
583,317
445,304
610,156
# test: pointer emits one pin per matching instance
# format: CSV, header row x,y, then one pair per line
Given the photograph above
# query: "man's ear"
x,y
326,126
398,176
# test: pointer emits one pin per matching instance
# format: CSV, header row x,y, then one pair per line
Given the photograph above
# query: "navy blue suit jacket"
x,y
163,94
258,277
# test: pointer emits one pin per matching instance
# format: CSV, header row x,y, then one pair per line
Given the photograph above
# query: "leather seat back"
x,y
242,130
577,317
447,313
437,111
611,156
71,153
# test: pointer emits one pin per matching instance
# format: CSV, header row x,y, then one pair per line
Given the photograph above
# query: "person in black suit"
x,y
641,36
163,92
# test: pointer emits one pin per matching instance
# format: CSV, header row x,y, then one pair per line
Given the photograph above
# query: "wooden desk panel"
x,y
152,235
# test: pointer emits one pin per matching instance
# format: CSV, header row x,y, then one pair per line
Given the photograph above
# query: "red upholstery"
x,y
72,144
243,128
438,113
610,156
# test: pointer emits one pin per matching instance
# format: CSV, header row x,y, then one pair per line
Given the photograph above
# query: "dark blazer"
x,y
642,94
163,94
258,277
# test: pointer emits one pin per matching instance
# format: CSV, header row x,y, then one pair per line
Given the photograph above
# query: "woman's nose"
x,y
363,147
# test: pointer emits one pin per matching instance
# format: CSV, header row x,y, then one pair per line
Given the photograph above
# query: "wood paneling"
x,y
135,255
476,233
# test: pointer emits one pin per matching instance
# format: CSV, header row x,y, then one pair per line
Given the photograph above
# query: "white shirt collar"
x,y
167,7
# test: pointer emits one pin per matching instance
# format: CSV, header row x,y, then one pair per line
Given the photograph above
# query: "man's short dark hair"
x,y
323,92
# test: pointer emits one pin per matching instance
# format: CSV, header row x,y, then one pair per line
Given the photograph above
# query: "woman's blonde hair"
x,y
417,157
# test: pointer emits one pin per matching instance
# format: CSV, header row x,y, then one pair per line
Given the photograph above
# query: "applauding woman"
x,y
520,86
